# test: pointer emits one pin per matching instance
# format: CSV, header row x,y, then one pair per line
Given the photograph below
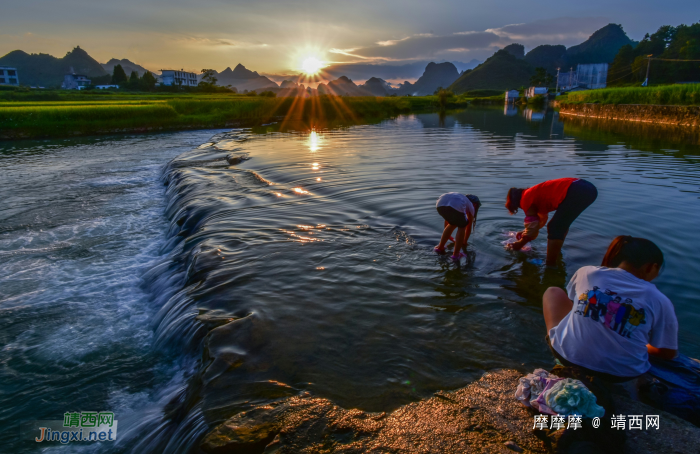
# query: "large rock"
x,y
483,417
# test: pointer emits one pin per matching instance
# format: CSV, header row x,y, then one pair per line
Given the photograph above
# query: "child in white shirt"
x,y
612,317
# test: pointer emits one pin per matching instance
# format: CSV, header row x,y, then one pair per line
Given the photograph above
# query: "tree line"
x,y
670,49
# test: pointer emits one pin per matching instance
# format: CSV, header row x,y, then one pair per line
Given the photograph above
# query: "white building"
x,y
592,76
585,77
534,91
75,82
512,95
181,78
8,76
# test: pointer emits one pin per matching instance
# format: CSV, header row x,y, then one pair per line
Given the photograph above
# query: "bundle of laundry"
x,y
553,395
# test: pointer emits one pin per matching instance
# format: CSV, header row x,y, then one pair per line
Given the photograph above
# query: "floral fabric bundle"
x,y
553,395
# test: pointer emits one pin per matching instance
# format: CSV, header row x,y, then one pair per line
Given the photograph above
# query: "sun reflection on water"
x,y
313,141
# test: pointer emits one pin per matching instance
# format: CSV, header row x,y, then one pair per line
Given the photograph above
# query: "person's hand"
x,y
517,245
519,236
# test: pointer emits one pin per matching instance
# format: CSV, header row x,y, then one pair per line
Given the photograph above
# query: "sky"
x,y
274,37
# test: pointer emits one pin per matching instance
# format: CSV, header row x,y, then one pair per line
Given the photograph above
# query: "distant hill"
x,y
501,71
548,57
509,68
516,50
48,71
342,86
601,47
435,75
243,79
378,87
471,64
127,65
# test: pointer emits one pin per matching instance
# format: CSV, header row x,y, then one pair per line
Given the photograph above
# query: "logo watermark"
x,y
617,422
76,426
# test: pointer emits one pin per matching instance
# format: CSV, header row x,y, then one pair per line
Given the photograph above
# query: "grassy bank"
x,y
680,95
74,115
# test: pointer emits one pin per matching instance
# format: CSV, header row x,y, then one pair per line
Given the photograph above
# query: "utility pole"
x,y
557,89
646,81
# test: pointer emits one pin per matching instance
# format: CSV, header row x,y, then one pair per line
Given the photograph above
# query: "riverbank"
x,y
483,417
662,95
641,113
93,116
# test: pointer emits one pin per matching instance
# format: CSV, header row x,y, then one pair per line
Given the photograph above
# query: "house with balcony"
x,y
178,78
8,76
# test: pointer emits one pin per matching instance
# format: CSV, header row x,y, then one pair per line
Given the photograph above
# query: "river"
x,y
144,275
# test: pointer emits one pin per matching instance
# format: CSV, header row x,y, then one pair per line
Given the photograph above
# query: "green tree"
x,y
148,81
444,97
118,75
621,71
134,81
541,78
208,77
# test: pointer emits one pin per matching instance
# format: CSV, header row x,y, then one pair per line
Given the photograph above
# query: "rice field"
x,y
680,95
71,117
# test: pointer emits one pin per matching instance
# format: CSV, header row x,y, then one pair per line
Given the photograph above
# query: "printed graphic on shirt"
x,y
611,310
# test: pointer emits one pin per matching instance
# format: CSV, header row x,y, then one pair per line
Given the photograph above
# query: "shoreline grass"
x,y
24,119
679,95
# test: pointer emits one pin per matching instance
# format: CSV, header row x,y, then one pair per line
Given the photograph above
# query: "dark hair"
x,y
513,199
636,251
477,203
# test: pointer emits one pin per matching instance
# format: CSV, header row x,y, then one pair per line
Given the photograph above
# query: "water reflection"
x,y
634,135
313,141
533,115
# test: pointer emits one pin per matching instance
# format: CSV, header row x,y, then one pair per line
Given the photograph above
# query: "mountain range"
x,y
243,79
507,68
47,71
511,68
127,66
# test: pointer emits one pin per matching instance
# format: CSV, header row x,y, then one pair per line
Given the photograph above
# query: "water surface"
x,y
308,267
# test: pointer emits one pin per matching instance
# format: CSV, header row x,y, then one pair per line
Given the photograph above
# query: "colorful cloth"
x,y
550,394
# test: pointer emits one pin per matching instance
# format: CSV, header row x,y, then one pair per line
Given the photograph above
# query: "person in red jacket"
x,y
567,196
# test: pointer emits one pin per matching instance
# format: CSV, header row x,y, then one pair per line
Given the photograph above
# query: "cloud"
x,y
428,46
477,44
197,41
561,30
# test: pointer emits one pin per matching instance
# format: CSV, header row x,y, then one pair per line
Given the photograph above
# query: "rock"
x,y
483,417
512,446
443,423
235,160
247,432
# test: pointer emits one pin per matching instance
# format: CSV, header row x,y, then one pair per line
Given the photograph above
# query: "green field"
x,y
64,114
679,95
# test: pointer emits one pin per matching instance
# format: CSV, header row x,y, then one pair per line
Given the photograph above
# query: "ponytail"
x,y
636,251
513,199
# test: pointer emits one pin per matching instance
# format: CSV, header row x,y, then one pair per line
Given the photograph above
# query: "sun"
x,y
311,65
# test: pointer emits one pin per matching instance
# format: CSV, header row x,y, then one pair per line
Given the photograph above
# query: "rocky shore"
x,y
483,417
